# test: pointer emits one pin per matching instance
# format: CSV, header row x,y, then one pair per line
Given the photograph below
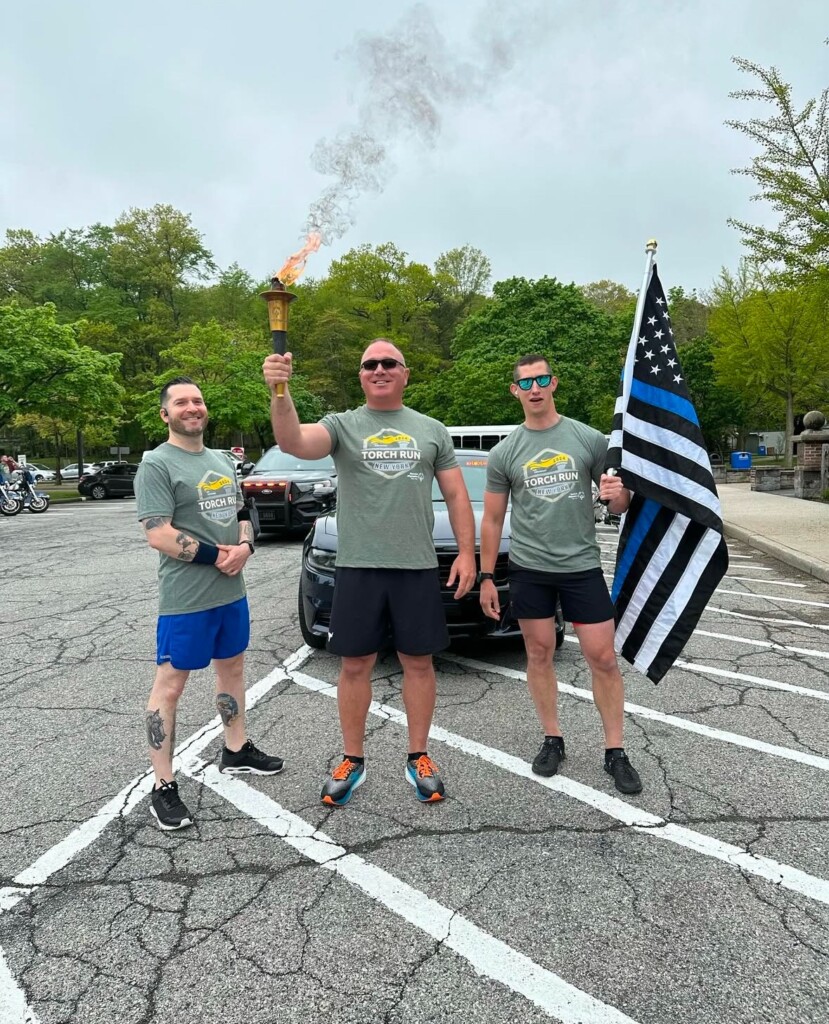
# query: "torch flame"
x,y
294,265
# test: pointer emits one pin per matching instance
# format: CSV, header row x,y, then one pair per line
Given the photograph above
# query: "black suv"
x,y
116,481
464,618
290,492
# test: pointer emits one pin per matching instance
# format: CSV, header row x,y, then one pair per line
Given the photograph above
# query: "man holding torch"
x,y
387,579
547,465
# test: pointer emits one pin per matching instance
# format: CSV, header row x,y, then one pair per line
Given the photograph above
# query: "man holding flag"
x,y
671,553
548,466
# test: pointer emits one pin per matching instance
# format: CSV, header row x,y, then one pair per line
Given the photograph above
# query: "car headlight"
x,y
320,558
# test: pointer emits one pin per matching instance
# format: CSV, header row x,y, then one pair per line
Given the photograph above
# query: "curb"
x,y
820,570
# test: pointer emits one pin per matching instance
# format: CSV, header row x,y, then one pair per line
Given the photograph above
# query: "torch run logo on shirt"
x,y
391,453
217,498
550,475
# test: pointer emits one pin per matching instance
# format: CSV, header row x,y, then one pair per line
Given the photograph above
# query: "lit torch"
x,y
278,298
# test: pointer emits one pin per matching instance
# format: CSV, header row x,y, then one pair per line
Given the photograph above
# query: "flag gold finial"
x,y
651,246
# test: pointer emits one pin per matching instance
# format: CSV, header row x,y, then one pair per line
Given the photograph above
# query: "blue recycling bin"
x,y
741,460
761,449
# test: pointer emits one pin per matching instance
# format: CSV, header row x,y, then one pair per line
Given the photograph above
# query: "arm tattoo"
x,y
154,522
155,729
228,708
188,547
245,531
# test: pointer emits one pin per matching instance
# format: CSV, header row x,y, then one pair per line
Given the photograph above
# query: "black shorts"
x,y
377,607
583,595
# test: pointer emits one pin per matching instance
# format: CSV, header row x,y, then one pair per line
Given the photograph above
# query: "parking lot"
x,y
518,899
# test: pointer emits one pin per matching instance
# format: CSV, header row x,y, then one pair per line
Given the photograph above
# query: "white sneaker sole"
x,y
169,828
248,771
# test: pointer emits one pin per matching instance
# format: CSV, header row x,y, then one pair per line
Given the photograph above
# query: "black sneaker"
x,y
167,807
624,774
341,783
423,775
549,757
249,761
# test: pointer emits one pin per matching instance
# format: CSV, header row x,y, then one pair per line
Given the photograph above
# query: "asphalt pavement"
x,y
515,901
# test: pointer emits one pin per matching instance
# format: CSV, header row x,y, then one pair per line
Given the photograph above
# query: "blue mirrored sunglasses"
x,y
542,380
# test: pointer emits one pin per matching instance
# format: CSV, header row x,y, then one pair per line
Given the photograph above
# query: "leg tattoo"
x,y
228,708
155,729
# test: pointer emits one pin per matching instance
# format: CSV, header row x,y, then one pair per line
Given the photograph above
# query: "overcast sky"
x,y
599,126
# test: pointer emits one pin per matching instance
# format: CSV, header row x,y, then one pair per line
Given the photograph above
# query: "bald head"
x,y
381,347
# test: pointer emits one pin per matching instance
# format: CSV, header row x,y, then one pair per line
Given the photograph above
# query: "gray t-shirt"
x,y
198,491
386,462
549,474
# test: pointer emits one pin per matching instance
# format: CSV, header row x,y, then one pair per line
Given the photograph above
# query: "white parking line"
x,y
768,583
767,644
59,855
641,821
489,956
765,618
737,739
13,1006
772,597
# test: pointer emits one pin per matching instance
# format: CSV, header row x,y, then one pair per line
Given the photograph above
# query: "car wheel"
x,y
98,492
310,638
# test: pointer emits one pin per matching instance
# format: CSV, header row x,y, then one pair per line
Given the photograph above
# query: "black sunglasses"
x,y
542,380
388,363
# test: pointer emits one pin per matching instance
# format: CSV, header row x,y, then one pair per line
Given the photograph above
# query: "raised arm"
x,y
308,440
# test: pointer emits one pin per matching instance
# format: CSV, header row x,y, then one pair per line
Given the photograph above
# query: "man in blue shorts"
x,y
547,466
192,512
387,579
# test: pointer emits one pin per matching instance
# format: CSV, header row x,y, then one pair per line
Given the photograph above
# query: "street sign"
x,y
238,451
119,451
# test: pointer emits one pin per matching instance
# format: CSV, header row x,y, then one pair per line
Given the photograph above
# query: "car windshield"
x,y
276,461
473,467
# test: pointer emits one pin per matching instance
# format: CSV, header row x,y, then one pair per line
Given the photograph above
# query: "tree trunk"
x,y
789,430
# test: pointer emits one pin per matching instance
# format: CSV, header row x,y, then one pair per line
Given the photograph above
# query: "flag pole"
x,y
650,249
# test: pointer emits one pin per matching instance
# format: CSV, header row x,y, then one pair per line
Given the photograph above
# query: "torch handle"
x,y
612,471
279,339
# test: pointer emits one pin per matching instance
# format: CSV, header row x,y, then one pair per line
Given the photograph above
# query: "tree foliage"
x,y
791,172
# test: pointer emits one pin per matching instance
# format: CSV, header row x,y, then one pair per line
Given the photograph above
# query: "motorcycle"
x,y
34,501
10,501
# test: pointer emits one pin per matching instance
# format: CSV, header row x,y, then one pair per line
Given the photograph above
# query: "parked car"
x,y
464,618
290,492
234,458
40,473
70,472
116,481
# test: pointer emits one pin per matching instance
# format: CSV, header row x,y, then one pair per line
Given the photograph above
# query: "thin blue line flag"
x,y
671,553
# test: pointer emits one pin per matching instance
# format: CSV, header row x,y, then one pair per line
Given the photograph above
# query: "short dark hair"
x,y
171,383
533,357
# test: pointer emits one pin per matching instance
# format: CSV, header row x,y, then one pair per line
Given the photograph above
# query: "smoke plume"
x,y
408,79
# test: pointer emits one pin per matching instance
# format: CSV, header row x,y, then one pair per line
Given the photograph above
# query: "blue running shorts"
x,y
193,640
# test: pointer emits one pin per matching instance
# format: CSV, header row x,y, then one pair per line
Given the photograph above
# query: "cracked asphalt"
x,y
706,898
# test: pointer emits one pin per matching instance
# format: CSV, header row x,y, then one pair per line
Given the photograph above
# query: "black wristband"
x,y
485,576
249,544
207,554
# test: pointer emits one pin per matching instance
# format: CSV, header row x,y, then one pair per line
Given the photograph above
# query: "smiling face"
x,y
537,401
184,412
383,386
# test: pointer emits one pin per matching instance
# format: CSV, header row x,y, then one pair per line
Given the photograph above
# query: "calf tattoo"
x,y
228,708
155,729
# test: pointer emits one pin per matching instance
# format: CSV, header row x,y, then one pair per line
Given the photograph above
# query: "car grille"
x,y
447,557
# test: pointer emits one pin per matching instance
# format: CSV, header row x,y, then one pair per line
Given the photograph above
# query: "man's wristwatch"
x,y
249,544
485,576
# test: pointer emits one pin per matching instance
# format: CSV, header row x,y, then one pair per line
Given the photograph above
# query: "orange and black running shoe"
x,y
341,783
423,775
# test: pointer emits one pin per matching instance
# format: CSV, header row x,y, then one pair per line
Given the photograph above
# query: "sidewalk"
x,y
791,529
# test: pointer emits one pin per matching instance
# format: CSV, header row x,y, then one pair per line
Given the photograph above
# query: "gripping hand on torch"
x,y
277,369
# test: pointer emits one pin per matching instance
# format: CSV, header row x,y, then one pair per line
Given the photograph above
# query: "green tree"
x,y
689,315
610,297
791,172
772,341
44,370
722,410
585,347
